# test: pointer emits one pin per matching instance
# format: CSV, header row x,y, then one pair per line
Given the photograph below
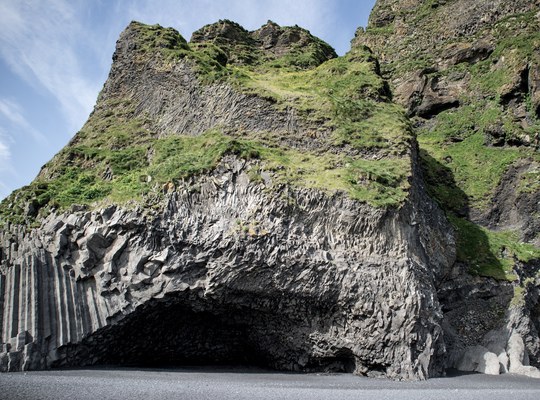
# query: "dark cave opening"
x,y
169,334
178,331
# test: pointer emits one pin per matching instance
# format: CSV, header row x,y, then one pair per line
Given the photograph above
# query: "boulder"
x,y
478,359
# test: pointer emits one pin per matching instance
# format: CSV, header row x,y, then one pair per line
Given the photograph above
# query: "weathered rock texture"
x,y
428,50
271,41
440,58
224,268
298,280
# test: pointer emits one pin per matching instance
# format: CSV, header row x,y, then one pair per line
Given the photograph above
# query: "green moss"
x,y
518,32
519,297
116,158
520,291
385,30
344,94
182,156
456,141
381,182
489,253
477,169
529,182
208,59
425,9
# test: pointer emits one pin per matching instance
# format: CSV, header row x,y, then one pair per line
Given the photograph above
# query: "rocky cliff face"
x,y
231,273
249,197
465,72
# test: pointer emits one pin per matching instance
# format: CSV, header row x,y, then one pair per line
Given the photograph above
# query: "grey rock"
x,y
518,358
478,359
322,283
512,209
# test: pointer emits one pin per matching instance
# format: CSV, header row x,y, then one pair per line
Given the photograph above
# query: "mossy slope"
x,y
117,157
474,65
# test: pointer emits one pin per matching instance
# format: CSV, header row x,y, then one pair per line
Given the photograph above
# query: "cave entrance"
x,y
170,334
187,330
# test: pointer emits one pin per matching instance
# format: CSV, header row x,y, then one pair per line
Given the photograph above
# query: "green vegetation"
x,y
380,183
530,182
477,169
425,9
209,60
462,172
461,167
344,94
117,158
489,253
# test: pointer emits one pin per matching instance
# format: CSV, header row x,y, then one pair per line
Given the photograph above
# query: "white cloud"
x,y
45,42
39,41
14,114
6,167
5,156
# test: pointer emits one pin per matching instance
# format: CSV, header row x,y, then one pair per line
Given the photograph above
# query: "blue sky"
x,y
55,56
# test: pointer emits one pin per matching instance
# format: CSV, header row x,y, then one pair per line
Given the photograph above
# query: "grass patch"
x,y
379,183
456,142
477,169
344,94
530,182
489,253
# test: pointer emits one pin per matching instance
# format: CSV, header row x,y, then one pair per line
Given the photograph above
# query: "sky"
x,y
55,56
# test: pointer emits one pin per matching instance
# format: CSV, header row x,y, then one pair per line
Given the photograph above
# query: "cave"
x,y
186,331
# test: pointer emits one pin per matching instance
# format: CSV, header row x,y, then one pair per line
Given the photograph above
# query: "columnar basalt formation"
x,y
307,282
250,197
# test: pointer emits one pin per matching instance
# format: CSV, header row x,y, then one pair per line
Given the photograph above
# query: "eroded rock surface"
x,y
233,263
297,280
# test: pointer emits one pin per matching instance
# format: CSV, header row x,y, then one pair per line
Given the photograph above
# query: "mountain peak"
x,y
292,45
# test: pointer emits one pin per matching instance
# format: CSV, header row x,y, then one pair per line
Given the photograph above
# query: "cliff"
x,y
251,197
466,74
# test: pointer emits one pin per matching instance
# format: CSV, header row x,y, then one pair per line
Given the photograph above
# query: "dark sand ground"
x,y
221,383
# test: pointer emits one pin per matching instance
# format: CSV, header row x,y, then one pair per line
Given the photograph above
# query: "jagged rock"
x,y
495,135
439,36
433,103
517,71
496,341
478,359
270,41
221,266
426,95
534,88
515,204
518,356
280,41
313,291
469,52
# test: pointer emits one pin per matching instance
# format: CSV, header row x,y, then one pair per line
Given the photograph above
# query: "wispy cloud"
x,y
13,113
6,167
50,43
5,155
40,41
